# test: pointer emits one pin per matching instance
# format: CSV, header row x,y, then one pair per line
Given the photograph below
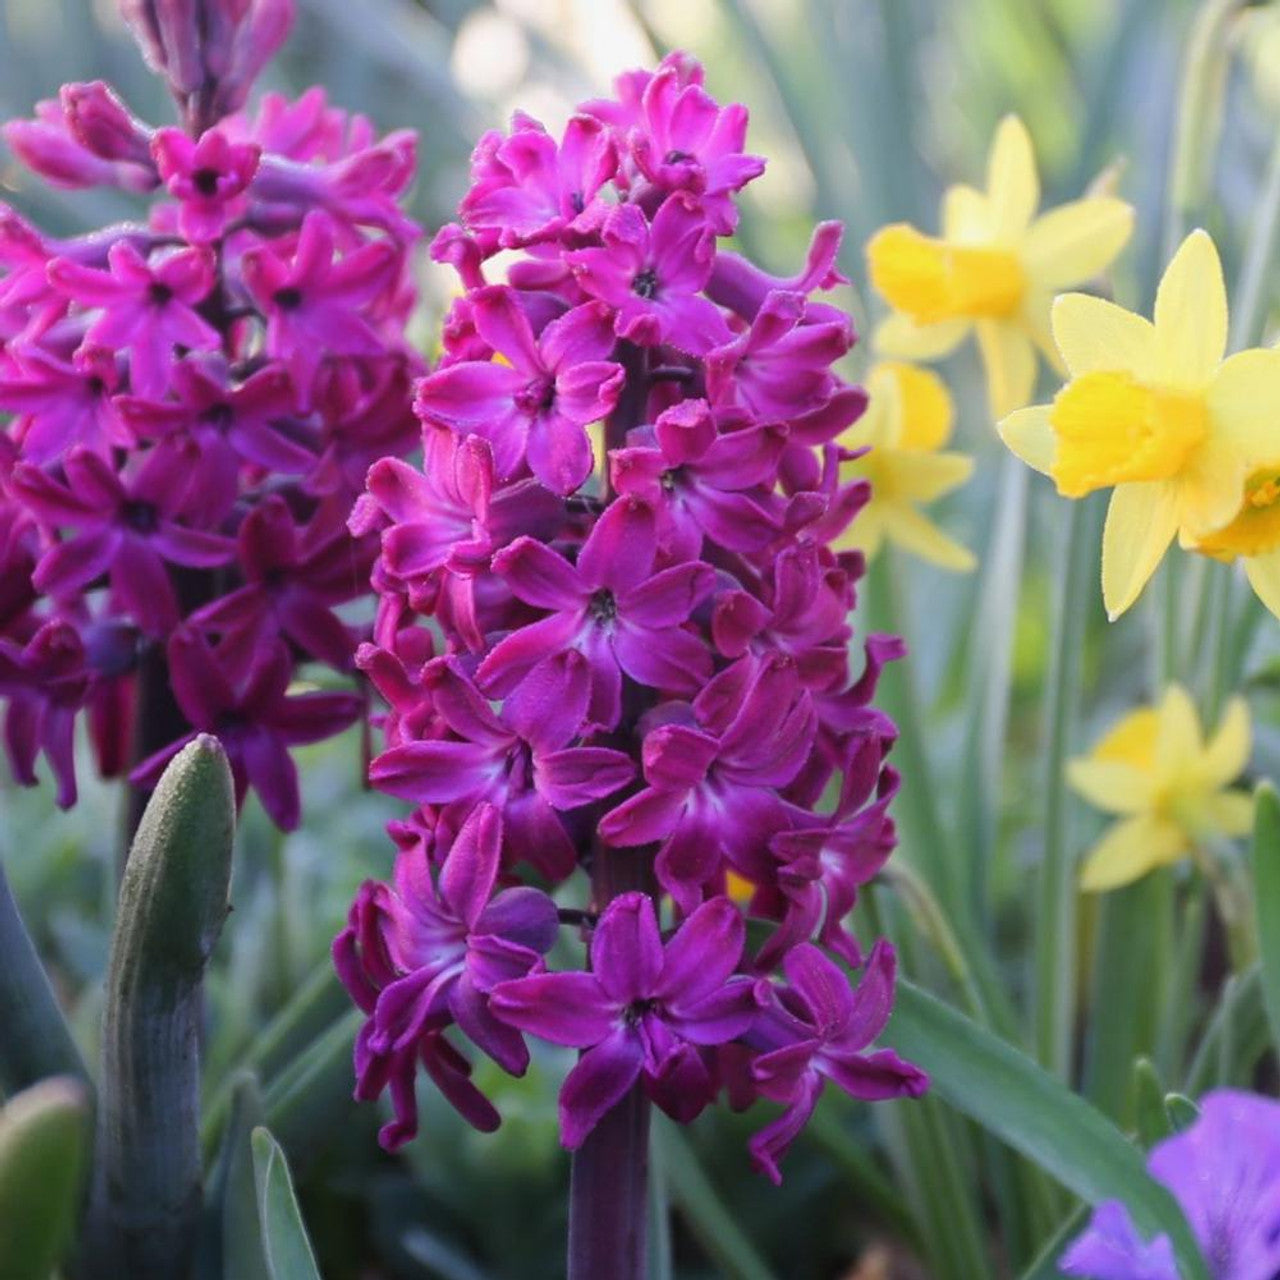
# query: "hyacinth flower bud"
x,y
209,51
100,122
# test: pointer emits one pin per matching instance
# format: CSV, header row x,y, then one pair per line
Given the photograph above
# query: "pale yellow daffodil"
x,y
1168,786
994,270
1154,410
909,419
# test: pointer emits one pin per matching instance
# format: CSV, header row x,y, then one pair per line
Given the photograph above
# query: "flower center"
x,y
159,293
538,396
205,181
1112,429
288,298
1256,528
140,516
931,280
646,283
602,606
635,1012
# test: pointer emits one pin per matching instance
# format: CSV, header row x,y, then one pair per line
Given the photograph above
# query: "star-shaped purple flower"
x,y
644,1010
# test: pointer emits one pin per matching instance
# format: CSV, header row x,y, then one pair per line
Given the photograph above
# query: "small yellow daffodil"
x,y
1154,410
1254,536
1167,784
994,270
908,420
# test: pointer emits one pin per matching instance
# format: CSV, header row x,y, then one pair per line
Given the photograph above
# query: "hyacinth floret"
x,y
193,401
613,633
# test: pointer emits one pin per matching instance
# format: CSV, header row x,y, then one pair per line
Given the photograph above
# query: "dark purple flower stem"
x,y
608,1193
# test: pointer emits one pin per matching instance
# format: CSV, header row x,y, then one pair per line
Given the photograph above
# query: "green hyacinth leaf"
x,y
1266,898
44,1147
284,1237
1005,1092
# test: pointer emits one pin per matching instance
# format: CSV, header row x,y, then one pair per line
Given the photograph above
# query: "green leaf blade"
x,y
284,1237
1266,898
1004,1091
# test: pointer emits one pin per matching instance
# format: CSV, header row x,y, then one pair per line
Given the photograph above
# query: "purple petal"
x,y
578,775
1111,1249
471,869
565,1008
597,1084
702,953
626,949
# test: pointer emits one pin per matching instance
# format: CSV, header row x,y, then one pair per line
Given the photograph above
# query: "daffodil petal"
x,y
1209,488
1035,319
1141,522
1110,785
1076,241
1230,812
1096,336
1010,361
1029,436
1129,850
1263,573
1191,314
1013,187
915,532
1132,740
1228,750
865,534
966,215
1179,740
1244,402
901,338
925,476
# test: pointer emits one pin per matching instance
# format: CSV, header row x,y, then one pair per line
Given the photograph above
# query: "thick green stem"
x,y
173,901
1055,952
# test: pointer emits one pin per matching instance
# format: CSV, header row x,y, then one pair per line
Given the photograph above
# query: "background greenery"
x,y
866,109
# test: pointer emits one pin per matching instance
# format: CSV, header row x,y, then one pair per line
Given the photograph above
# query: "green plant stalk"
x,y
989,677
1199,117
36,1042
924,834
1054,1005
1128,979
173,901
1265,859
711,1223
315,1006
928,1141
1238,1015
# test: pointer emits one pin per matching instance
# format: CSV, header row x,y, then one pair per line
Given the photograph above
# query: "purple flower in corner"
x,y
645,1010
1224,1172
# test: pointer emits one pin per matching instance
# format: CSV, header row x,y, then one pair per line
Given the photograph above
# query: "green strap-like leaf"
x,y
284,1238
1266,897
1004,1091
44,1142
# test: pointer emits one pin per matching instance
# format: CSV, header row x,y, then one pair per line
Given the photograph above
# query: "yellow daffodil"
x,y
1167,784
908,421
994,269
1254,536
1154,410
